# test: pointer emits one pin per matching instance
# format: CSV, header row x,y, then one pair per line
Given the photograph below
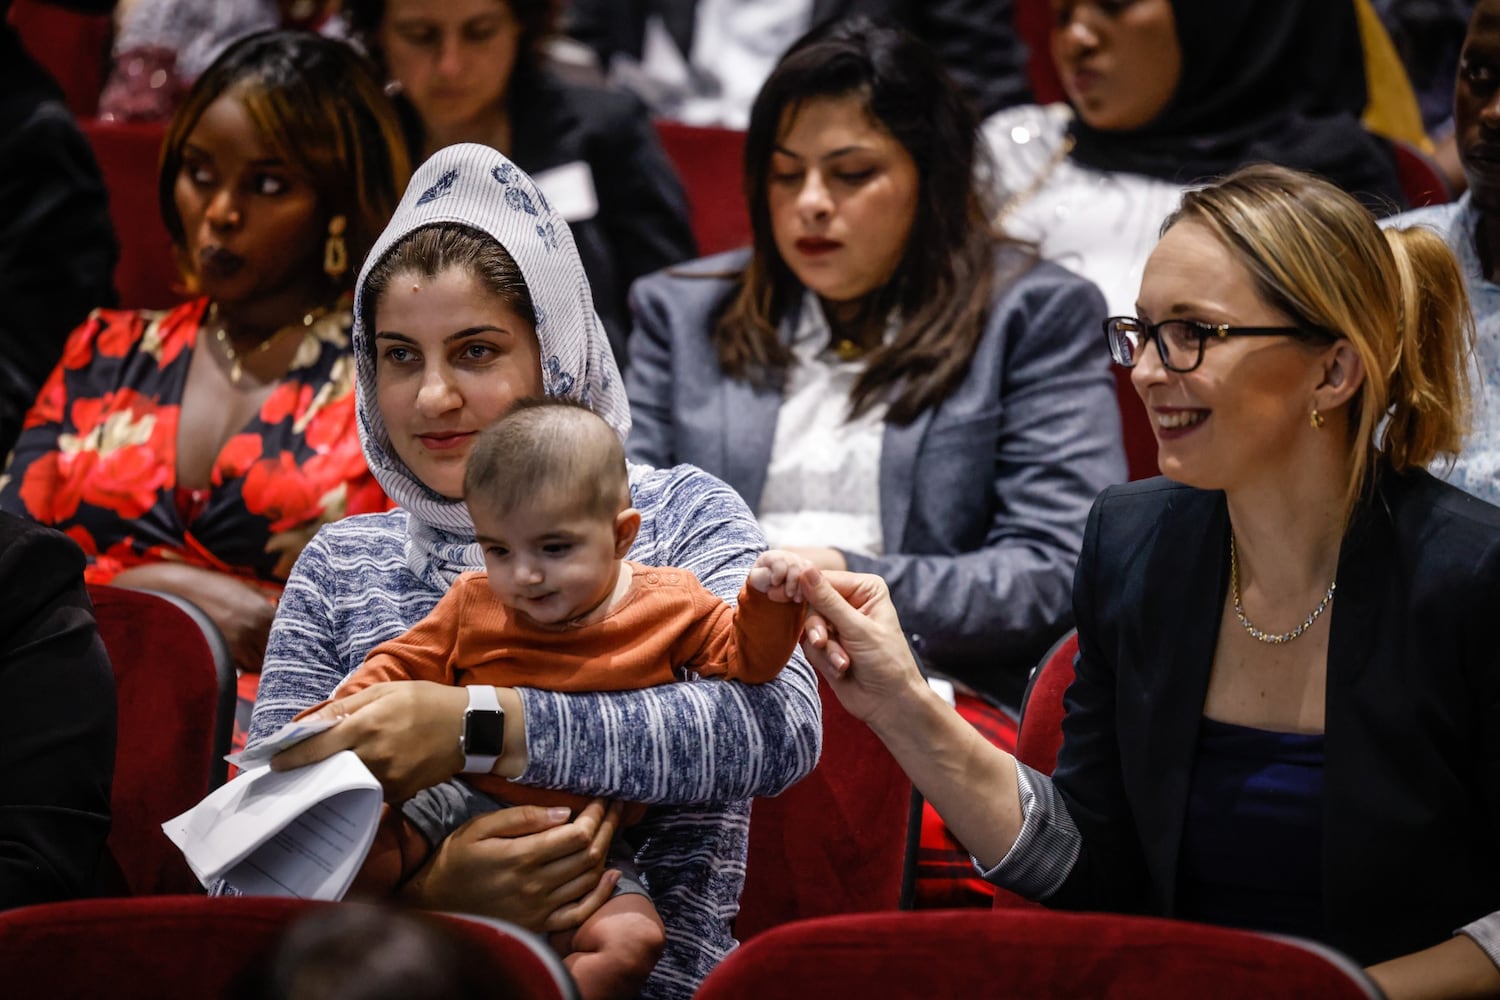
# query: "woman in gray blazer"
x,y
891,386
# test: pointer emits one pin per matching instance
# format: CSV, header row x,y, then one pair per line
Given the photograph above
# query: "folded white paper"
x,y
291,833
288,735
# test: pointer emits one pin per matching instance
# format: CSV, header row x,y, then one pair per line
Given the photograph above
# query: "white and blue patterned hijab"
x,y
478,187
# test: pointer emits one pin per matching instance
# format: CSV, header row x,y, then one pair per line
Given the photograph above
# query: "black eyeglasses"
x,y
1179,342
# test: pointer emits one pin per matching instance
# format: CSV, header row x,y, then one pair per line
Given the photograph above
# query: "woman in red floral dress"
x,y
196,451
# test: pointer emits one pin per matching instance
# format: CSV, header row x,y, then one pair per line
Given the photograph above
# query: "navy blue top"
x,y
1252,841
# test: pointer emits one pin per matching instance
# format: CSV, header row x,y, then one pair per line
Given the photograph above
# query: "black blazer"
x,y
1411,836
57,721
975,39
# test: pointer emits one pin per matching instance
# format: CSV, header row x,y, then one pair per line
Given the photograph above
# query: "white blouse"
x,y
1100,224
823,482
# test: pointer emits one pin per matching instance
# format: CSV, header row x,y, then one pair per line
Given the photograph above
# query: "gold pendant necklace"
x,y
848,350
236,358
1239,609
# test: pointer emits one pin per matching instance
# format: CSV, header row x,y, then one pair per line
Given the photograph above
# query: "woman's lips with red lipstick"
x,y
216,262
813,245
1084,80
446,440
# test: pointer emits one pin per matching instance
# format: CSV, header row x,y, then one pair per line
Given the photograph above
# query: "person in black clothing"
x,y
57,721
57,245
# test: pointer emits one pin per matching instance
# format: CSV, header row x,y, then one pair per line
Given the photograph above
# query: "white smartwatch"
x,y
483,736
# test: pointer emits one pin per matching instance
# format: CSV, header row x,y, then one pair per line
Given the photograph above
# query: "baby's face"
x,y
551,563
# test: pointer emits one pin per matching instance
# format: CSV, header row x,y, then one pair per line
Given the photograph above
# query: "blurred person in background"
x,y
703,61
1166,93
1471,228
57,245
472,71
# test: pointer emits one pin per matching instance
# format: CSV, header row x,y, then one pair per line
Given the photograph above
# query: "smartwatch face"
x,y
484,733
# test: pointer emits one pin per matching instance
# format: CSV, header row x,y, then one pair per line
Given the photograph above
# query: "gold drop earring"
x,y
335,252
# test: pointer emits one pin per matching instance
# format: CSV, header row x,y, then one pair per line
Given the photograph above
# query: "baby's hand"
x,y
778,575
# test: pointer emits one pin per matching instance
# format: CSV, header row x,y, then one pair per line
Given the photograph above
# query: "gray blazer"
x,y
983,499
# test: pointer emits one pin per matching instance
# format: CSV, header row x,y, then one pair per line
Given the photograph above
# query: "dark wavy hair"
x,y
943,283
315,101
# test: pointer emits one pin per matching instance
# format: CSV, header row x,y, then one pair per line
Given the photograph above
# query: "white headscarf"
x,y
478,187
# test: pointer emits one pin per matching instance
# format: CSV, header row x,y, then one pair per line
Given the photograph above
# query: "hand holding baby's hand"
x,y
778,575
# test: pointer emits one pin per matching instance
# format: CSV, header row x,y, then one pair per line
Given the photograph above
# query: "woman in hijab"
x,y
444,346
1164,94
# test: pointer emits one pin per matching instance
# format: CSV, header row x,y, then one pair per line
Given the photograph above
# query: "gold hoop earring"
x,y
335,253
1315,419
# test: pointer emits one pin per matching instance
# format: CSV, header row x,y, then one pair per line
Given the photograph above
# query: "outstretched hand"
x,y
778,575
853,637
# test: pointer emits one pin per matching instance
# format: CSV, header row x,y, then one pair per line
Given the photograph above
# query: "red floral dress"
x,y
97,456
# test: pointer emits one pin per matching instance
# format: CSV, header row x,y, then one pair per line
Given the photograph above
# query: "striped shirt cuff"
x,y
1047,847
1485,932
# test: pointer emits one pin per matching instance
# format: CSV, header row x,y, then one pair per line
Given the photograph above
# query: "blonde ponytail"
x,y
1428,381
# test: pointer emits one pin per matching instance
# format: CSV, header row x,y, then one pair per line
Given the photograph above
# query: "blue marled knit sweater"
x,y
696,750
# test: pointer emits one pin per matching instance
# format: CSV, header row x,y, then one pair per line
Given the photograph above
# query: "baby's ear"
x,y
627,524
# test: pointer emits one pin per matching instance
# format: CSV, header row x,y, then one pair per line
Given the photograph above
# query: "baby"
x,y
559,607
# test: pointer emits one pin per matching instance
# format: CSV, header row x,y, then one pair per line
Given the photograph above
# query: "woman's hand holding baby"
x,y
527,864
778,575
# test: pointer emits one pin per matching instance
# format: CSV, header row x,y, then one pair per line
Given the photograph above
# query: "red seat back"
x,y
1015,953
171,691
1135,428
1034,20
72,46
187,947
129,154
835,842
1421,180
1042,708
710,162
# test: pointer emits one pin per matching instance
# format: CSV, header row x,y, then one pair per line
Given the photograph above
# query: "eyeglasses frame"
x,y
1217,331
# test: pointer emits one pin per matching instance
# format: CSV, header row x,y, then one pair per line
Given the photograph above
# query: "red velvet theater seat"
x,y
1042,713
710,162
175,689
128,153
191,947
1030,954
71,45
835,842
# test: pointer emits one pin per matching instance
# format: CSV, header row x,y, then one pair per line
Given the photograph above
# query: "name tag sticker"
x,y
570,190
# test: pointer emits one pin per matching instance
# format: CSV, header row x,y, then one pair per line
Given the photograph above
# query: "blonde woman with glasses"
x,y
1286,715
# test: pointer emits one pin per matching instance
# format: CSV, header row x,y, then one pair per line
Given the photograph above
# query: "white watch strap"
x,y
481,698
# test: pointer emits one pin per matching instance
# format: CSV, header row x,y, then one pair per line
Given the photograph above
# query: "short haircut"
x,y
548,447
